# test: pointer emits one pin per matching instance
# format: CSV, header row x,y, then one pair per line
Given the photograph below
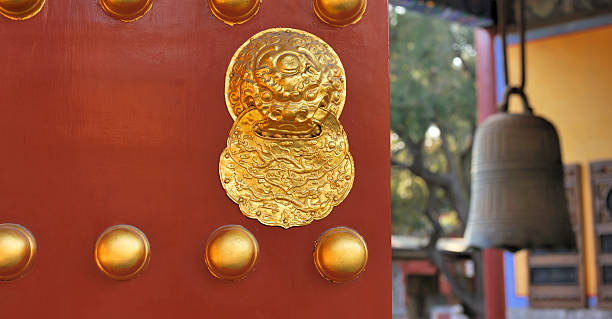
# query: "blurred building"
x,y
570,83
569,68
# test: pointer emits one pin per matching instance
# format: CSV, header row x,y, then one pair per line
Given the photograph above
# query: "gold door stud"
x,y
231,252
122,252
126,10
340,254
20,9
17,251
234,11
339,13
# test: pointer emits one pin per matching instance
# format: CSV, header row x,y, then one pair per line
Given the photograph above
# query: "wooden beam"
x,y
493,259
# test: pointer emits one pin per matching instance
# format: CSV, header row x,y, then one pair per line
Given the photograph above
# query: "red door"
x,y
105,122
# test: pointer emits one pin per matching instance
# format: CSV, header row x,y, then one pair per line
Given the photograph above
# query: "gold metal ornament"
x,y
339,13
20,9
17,251
126,10
122,252
234,11
231,252
287,160
340,254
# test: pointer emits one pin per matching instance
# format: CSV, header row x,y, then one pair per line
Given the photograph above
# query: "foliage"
x,y
432,92
433,106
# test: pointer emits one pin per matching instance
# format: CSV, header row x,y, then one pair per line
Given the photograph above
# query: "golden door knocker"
x,y
287,160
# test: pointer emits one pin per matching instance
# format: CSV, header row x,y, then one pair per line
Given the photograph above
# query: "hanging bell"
x,y
518,198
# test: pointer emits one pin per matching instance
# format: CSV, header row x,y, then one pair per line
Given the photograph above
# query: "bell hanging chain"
x,y
510,90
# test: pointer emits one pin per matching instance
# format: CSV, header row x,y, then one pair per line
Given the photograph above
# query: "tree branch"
x,y
474,302
440,180
418,164
465,157
455,188
450,159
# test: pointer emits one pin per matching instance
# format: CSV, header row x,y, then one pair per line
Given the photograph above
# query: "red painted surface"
x,y
418,267
445,288
495,300
424,267
103,123
495,295
485,73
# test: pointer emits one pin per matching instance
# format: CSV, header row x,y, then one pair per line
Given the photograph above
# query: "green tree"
x,y
433,118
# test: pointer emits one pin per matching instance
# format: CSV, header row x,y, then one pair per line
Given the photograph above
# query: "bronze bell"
x,y
518,198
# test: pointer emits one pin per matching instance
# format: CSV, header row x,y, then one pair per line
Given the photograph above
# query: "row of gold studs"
x,y
122,252
334,12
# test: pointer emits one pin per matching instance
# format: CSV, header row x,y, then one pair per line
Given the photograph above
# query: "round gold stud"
x,y
340,254
339,13
122,252
17,251
20,9
234,11
126,10
231,252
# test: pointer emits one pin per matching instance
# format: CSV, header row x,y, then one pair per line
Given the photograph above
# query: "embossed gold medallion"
x,y
287,160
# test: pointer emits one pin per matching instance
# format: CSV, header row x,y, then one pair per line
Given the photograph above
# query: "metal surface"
x,y
126,10
339,13
518,200
122,252
340,254
234,11
287,161
283,72
231,252
520,90
17,251
20,9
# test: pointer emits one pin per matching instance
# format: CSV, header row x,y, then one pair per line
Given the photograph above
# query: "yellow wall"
x,y
570,83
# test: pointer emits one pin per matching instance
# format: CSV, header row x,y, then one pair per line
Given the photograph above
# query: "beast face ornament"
x,y
287,160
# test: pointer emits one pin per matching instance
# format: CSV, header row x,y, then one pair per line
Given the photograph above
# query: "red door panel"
x,y
104,122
